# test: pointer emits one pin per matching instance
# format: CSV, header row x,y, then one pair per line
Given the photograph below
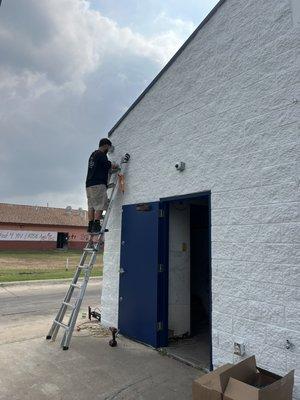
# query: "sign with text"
x,y
39,236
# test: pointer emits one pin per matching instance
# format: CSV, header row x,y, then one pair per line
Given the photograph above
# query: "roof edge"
x,y
38,206
166,67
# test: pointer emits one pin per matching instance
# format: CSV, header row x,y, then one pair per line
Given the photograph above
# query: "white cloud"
x,y
65,72
78,39
177,24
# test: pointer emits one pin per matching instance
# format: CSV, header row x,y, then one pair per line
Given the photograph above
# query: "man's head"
x,y
104,145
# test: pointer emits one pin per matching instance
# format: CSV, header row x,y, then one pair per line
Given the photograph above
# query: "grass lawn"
x,y
33,265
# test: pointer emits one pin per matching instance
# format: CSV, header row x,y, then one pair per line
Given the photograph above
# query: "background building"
x,y
41,228
212,251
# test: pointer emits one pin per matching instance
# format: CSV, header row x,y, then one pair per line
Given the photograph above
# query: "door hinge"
x,y
161,267
161,213
159,326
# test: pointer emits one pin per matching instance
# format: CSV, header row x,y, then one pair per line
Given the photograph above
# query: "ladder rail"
x,y
62,311
115,189
73,318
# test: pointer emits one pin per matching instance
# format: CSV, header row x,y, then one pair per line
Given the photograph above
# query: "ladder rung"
x,y
61,324
85,266
89,249
74,285
68,304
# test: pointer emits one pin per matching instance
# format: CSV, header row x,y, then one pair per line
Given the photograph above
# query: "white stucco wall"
x,y
179,269
229,108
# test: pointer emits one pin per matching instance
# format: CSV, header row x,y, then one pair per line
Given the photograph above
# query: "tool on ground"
x,y
85,266
93,313
113,342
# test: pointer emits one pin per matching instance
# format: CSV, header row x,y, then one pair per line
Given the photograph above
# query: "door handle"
x,y
121,271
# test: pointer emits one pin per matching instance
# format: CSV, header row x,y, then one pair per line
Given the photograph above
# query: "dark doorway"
x,y
62,240
200,277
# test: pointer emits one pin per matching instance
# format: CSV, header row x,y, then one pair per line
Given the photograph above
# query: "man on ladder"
x,y
98,172
96,184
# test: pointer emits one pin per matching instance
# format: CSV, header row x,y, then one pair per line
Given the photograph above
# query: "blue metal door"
x,y
143,283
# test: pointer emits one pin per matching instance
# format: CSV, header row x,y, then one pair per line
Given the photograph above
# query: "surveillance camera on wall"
x,y
180,166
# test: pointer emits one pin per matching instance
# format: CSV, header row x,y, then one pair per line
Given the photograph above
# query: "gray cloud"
x,y
66,74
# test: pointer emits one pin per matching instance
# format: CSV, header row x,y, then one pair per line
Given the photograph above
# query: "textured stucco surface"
x,y
229,107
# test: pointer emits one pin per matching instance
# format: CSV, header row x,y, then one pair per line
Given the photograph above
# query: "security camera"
x,y
125,158
180,166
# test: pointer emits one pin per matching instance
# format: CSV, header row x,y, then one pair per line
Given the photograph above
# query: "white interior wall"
x,y
179,269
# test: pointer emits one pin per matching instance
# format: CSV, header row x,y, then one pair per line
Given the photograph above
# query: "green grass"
x,y
13,275
41,265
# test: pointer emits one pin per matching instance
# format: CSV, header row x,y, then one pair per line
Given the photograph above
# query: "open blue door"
x,y
143,284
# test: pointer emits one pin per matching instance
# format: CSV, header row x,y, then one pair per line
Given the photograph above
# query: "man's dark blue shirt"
x,y
98,169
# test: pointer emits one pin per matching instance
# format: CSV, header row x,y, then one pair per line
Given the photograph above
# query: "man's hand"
x,y
114,166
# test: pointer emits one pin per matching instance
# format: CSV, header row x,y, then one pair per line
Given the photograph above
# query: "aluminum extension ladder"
x,y
87,261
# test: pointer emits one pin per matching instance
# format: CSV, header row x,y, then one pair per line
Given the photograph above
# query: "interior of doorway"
x,y
189,310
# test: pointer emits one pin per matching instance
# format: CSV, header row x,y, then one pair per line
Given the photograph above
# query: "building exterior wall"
x,y
77,237
26,245
228,107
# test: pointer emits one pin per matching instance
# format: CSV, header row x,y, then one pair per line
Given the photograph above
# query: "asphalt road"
x,y
25,310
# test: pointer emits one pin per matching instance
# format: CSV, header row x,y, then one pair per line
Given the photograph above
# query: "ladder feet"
x,y
48,337
65,347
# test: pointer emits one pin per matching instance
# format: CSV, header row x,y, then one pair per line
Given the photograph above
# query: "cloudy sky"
x,y
68,70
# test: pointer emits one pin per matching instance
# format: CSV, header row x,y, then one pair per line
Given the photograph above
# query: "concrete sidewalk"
x,y
36,370
33,369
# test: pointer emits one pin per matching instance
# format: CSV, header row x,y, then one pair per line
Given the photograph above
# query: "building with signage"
x,y
25,227
206,248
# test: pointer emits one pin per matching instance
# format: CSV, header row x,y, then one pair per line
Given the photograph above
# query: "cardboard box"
x,y
243,381
255,383
211,386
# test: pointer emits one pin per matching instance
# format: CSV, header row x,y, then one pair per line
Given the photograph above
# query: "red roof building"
x,y
25,227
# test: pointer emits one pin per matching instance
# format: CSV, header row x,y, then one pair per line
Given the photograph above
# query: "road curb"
x,y
43,282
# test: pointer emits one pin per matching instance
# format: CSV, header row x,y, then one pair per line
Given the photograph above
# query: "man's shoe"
x,y
96,227
90,227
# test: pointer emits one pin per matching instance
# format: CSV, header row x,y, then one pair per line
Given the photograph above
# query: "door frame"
x,y
163,304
